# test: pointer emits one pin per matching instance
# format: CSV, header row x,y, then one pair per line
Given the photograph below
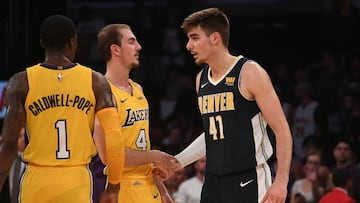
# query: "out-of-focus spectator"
x,y
312,186
344,159
304,118
190,190
342,185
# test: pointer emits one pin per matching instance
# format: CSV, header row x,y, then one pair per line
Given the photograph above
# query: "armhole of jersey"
x,y
28,78
239,80
197,83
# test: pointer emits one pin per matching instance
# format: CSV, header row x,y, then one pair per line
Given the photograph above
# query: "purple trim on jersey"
x,y
99,179
57,67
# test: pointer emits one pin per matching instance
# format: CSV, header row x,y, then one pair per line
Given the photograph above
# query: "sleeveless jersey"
x,y
134,121
60,108
235,131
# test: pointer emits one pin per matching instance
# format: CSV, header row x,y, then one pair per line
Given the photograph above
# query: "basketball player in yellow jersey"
x,y
120,49
56,101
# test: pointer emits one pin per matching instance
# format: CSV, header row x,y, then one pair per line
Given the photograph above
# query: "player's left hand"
x,y
110,195
275,194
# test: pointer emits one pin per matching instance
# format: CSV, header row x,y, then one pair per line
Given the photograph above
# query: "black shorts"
x,y
246,187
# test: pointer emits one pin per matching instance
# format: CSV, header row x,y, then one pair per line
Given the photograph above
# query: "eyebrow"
x,y
193,34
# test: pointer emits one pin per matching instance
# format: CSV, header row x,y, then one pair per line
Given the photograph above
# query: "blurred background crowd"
x,y
311,49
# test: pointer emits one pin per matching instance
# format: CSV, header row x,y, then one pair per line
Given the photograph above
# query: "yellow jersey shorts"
x,y
139,190
56,185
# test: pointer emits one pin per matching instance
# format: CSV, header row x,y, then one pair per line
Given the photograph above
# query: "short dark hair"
x,y
344,140
210,20
108,35
56,31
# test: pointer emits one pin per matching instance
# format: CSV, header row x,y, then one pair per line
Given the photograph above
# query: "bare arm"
x,y
14,121
257,85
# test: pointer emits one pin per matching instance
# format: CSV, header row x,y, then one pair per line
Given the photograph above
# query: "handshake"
x,y
164,164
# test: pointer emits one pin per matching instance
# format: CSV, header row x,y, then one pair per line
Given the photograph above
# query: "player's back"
x,y
59,116
60,108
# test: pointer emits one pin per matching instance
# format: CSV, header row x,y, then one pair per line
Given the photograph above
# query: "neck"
x,y
56,58
120,82
343,164
117,73
220,65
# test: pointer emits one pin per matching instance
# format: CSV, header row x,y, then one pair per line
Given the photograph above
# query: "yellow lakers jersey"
x,y
60,108
134,120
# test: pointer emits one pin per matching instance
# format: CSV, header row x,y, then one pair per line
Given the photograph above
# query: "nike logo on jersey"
x,y
123,100
203,85
156,195
245,183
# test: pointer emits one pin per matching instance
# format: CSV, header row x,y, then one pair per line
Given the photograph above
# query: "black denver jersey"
x,y
235,131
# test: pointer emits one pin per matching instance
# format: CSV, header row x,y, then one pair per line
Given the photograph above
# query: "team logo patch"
x,y
229,81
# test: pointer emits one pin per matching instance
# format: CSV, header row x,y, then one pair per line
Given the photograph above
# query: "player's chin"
x,y
136,64
198,62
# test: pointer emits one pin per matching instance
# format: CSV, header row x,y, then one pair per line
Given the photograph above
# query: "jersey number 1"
x,y
62,152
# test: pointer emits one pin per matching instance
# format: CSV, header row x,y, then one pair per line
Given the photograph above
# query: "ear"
x,y
215,38
73,43
115,49
41,44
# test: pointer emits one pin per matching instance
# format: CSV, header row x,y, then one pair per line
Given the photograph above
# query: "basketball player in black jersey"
x,y
237,100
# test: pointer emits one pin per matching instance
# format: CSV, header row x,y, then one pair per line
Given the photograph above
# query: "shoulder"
x,y
20,77
18,82
17,88
252,69
297,184
99,82
254,80
98,77
189,181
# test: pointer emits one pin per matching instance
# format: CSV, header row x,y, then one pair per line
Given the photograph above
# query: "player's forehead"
x,y
195,31
127,34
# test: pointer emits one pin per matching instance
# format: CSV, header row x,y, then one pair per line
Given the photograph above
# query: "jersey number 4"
x,y
141,140
216,128
62,152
